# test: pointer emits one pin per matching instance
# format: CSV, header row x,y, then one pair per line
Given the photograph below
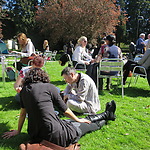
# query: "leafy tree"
x,y
137,24
62,20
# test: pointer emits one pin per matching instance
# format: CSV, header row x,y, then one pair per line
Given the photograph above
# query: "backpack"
x,y
3,48
10,73
64,59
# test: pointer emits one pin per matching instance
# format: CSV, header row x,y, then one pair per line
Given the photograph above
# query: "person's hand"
x,y
92,61
18,89
87,63
10,134
82,120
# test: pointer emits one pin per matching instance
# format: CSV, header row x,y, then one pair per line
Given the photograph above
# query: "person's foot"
x,y
111,111
108,104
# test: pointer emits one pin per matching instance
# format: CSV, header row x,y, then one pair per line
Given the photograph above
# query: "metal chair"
x,y
80,67
138,71
111,68
3,63
53,55
48,55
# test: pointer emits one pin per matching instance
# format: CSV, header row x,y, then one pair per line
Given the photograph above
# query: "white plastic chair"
x,y
108,65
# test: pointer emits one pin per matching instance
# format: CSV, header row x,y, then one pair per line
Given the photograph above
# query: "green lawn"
x,y
130,131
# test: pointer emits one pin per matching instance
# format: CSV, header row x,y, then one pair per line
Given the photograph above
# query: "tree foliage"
x,y
22,13
69,19
134,9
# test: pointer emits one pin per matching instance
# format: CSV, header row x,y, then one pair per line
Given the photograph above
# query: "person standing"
x,y
140,44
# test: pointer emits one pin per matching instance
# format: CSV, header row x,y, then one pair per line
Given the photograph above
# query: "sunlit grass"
x,y
130,131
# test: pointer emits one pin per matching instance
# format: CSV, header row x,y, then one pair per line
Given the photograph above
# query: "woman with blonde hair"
x,y
45,45
80,55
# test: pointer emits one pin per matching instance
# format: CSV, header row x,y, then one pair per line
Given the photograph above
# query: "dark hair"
x,y
68,70
35,75
102,42
38,61
111,38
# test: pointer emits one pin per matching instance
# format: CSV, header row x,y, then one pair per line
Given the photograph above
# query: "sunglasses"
x,y
84,41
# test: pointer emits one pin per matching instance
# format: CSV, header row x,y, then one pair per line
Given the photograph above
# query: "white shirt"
x,y
28,49
80,55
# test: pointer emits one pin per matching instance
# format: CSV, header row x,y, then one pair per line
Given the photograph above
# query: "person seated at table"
x,y
27,49
80,55
80,95
38,98
37,62
144,61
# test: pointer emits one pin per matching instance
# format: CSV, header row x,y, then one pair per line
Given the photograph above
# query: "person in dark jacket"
x,y
38,98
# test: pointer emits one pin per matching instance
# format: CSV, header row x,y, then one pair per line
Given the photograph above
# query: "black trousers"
x,y
84,128
127,68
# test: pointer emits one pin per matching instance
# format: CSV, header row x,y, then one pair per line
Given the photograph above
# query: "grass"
x,y
130,131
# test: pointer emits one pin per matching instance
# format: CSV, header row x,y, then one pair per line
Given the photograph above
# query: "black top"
x,y
39,100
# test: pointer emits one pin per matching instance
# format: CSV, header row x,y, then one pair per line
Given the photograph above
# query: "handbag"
x,y
46,145
25,60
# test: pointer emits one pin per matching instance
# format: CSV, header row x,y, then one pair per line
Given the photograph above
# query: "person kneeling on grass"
x,y
81,94
38,98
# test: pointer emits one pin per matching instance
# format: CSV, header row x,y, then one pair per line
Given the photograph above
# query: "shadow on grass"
x,y
130,91
14,142
6,79
9,103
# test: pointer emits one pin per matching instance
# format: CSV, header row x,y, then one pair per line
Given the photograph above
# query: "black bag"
x,y
92,71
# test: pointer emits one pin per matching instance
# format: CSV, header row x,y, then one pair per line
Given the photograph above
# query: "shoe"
x,y
107,115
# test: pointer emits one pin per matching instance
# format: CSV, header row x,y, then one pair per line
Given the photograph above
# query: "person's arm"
x,y
145,57
66,92
11,133
120,53
70,114
81,91
30,48
17,84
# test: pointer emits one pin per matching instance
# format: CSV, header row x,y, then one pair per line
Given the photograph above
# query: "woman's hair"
x,y
35,75
111,38
82,38
45,44
23,38
38,61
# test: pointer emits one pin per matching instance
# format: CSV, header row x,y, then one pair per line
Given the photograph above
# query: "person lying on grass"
x,y
38,98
